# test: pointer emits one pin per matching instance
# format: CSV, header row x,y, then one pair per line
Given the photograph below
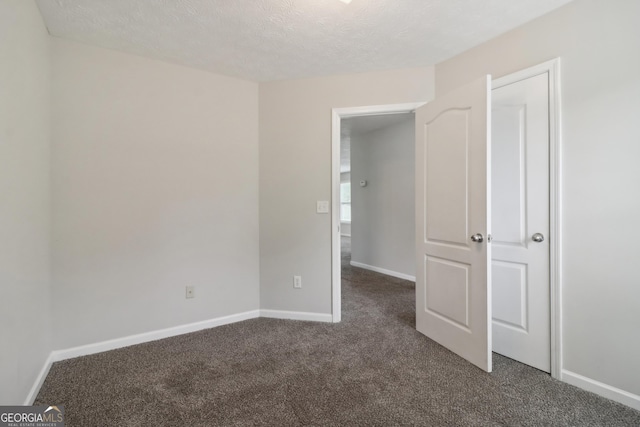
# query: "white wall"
x,y
383,212
599,43
24,199
295,171
155,187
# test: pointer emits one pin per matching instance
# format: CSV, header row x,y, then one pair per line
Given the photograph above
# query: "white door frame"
x,y
337,114
555,209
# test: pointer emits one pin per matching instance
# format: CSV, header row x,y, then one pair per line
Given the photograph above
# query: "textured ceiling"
x,y
282,39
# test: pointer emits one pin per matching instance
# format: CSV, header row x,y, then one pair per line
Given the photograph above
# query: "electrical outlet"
x,y
297,282
190,292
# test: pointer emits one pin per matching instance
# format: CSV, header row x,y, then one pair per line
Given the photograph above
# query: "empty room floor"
x,y
373,368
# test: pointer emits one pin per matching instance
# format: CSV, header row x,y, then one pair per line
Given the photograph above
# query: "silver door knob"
x,y
478,238
538,237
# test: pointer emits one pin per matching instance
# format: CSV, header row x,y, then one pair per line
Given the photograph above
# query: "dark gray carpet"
x,y
373,369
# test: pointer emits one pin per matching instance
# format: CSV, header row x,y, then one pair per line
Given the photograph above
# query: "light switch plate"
x,y
322,206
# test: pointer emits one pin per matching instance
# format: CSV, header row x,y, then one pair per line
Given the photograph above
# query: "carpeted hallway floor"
x,y
371,369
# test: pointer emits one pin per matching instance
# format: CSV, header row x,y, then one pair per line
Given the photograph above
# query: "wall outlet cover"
x,y
190,292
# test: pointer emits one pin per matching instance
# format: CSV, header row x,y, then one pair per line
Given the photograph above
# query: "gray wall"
x,y
24,199
295,171
383,212
599,43
155,187
345,227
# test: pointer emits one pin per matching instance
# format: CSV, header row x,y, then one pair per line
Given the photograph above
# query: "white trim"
x,y
336,288
99,347
296,315
337,114
555,197
35,389
384,271
602,389
127,341
555,212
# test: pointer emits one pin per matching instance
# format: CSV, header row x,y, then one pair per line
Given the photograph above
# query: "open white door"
x,y
453,287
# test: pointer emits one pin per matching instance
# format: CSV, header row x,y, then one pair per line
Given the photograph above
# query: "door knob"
x,y
478,238
538,237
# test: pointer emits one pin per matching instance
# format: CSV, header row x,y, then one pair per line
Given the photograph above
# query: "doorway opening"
x,y
377,180
363,130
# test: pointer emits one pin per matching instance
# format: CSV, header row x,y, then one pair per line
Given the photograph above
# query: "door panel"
x,y
509,180
510,282
453,289
447,295
520,203
446,155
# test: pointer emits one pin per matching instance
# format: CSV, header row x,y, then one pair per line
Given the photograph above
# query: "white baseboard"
x,y
384,271
602,389
39,381
296,315
113,344
99,347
